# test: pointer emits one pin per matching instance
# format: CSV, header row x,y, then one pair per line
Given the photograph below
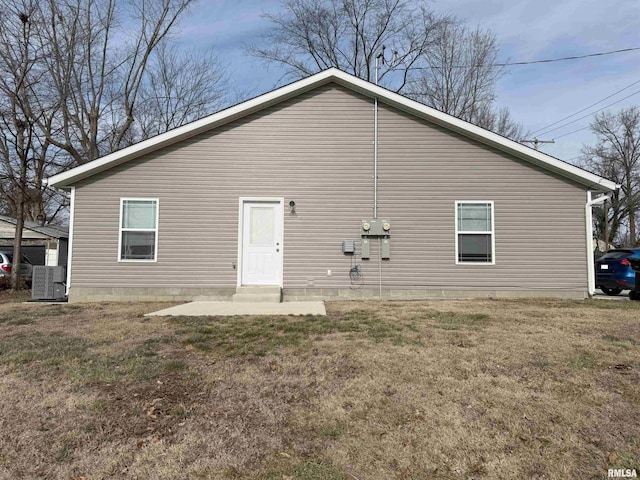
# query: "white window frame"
x,y
155,230
492,232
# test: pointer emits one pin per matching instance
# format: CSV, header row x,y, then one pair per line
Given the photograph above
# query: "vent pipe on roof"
x,y
40,220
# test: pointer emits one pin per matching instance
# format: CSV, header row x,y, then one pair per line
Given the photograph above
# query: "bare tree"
x,y
440,62
22,146
458,76
181,86
616,156
97,67
71,75
313,35
500,121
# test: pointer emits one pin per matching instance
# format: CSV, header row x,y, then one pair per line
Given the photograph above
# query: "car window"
x,y
616,254
9,257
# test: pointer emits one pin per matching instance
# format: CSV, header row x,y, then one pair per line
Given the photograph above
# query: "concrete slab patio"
x,y
227,309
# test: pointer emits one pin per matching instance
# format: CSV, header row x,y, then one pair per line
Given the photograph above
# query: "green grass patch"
x,y
620,341
596,303
540,363
18,317
583,361
314,470
24,315
48,351
181,411
262,335
612,305
138,365
334,432
38,354
457,321
99,404
305,470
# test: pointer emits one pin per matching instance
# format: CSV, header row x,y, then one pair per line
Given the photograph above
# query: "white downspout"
x,y
72,208
588,215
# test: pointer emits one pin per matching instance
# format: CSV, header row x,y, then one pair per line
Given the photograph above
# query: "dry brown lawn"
x,y
476,389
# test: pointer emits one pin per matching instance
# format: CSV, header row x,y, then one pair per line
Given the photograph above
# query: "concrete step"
x,y
259,290
256,298
267,294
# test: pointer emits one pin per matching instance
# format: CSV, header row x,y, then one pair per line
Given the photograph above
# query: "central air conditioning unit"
x,y
48,283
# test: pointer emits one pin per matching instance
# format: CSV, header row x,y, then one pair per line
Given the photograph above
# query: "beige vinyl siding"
x,y
317,149
539,218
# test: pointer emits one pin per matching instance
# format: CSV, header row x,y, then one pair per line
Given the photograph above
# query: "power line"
x,y
585,108
547,60
575,57
589,114
575,131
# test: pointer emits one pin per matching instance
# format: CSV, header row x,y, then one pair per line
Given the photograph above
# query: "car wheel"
x,y
633,295
611,291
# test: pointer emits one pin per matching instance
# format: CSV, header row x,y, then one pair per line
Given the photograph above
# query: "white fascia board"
x,y
64,180
484,136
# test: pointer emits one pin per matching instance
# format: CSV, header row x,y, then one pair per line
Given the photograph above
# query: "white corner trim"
x,y
591,269
72,206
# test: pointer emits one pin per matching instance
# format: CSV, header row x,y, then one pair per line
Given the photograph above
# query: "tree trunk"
x,y
16,284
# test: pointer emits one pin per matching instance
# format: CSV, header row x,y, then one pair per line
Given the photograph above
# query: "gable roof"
x,y
67,179
53,231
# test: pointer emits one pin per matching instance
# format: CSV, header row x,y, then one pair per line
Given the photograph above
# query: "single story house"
x,y
330,187
41,244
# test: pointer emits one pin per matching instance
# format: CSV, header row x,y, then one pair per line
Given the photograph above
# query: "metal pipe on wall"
x,y
375,158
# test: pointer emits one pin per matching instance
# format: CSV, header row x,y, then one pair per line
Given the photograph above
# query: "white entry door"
x,y
262,243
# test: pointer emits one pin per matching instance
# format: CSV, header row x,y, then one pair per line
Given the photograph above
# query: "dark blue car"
x,y
613,271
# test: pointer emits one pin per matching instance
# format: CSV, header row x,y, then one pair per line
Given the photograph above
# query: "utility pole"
x,y
537,142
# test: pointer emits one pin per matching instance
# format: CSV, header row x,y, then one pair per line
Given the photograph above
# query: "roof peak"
x,y
67,179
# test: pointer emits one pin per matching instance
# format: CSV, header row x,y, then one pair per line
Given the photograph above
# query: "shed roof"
x,y
53,231
552,164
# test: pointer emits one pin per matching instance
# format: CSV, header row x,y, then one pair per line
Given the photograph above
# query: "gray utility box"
x,y
349,247
376,228
48,283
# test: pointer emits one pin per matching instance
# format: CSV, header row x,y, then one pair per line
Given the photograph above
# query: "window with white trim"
x,y
474,232
138,229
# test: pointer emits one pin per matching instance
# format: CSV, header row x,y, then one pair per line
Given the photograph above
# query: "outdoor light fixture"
x,y
292,206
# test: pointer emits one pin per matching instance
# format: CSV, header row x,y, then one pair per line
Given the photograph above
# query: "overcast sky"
x,y
527,30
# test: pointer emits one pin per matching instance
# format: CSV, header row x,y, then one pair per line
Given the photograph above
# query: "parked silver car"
x,y
6,262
